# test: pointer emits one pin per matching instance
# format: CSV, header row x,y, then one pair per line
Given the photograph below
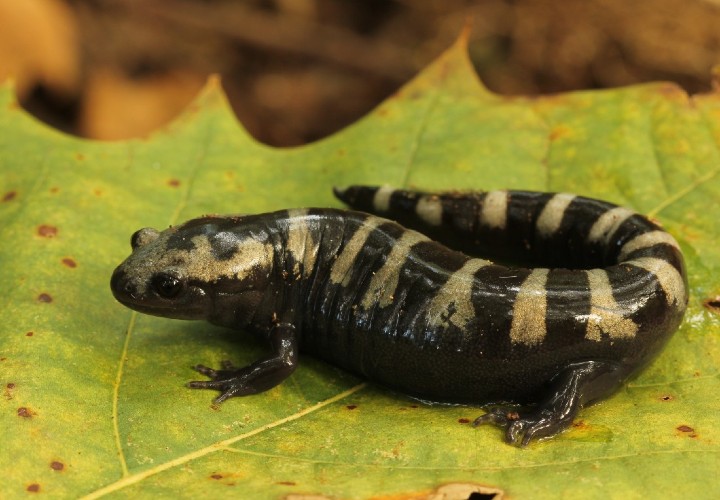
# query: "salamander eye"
x,y
143,237
166,286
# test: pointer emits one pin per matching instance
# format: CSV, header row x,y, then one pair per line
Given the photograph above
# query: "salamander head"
x,y
186,271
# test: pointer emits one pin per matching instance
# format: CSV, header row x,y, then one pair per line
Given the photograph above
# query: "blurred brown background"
x,y
298,70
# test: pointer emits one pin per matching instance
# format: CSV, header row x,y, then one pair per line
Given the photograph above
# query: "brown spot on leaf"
x,y
579,424
69,262
54,190
687,430
29,334
351,407
79,156
9,196
413,406
33,488
666,397
44,297
286,483
712,304
25,412
10,386
464,420
58,466
173,183
216,476
98,192
8,393
47,231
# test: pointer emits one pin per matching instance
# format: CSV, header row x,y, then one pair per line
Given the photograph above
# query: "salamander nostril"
x,y
120,284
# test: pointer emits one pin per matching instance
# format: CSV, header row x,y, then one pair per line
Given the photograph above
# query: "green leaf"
x,y
93,398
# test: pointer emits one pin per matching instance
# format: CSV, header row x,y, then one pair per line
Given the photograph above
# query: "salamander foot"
x,y
578,384
521,427
230,380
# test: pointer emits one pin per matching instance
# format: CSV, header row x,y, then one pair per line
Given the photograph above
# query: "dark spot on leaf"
x,y
468,491
98,192
481,496
55,465
3,359
464,420
25,412
351,407
666,397
685,428
33,488
44,297
69,262
287,483
79,156
47,231
216,476
10,195
712,304
579,424
413,406
29,334
173,183
54,190
10,386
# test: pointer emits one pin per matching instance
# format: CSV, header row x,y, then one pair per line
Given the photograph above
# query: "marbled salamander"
x,y
368,295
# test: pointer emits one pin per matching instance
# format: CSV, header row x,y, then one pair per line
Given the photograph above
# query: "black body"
x,y
390,304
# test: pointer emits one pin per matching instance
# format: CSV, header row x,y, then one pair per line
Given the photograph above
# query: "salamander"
x,y
602,290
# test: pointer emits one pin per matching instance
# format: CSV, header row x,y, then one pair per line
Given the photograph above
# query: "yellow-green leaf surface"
x,y
93,401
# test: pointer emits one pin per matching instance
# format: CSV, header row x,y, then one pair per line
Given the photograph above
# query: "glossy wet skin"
x,y
388,303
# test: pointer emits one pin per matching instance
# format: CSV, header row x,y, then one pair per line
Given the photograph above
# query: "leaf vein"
x,y
220,445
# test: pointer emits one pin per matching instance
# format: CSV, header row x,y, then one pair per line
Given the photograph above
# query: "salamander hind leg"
x,y
574,387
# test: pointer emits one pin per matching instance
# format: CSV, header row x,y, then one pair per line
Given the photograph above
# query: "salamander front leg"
x,y
577,385
259,376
